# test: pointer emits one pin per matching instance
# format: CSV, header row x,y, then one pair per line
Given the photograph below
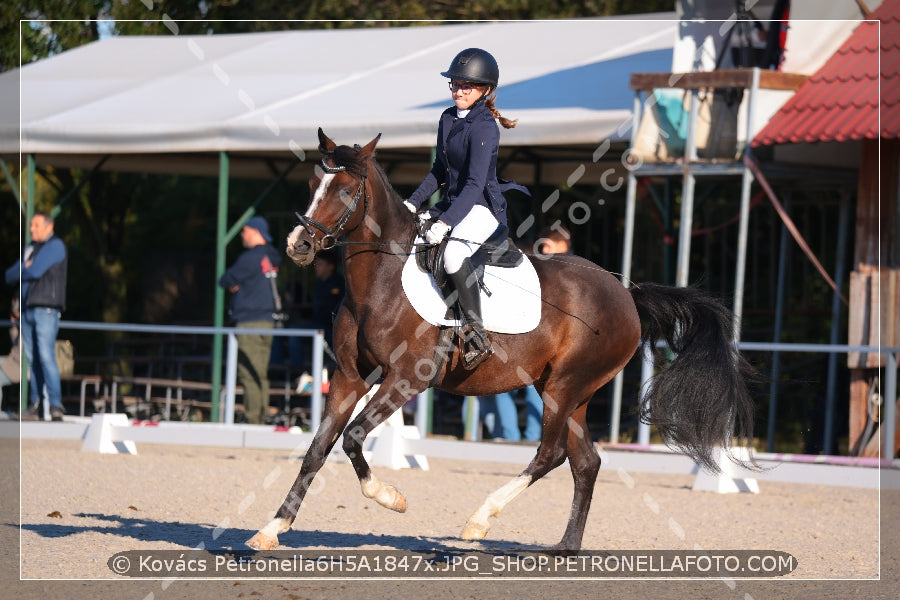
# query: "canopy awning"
x,y
566,82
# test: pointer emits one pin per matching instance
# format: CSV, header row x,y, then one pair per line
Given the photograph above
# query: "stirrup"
x,y
477,348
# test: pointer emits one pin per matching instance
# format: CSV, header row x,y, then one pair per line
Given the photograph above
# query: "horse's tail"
x,y
700,399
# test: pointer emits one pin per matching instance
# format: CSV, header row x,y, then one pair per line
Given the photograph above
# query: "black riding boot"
x,y
477,344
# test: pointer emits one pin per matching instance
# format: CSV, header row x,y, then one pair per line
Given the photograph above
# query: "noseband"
x,y
329,239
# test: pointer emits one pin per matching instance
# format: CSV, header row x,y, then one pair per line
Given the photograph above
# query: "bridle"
x,y
331,234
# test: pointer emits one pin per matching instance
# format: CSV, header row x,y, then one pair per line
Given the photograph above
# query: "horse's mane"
x,y
349,157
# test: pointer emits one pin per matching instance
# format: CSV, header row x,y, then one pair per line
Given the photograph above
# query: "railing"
x,y
226,413
888,421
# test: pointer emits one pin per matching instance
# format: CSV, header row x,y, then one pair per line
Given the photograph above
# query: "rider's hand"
x,y
437,232
410,207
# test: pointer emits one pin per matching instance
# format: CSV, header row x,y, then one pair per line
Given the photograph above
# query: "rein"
x,y
331,236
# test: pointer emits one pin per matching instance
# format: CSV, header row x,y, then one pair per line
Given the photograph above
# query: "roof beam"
x,y
722,78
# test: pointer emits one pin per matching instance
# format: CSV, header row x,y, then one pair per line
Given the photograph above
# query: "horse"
x,y
589,329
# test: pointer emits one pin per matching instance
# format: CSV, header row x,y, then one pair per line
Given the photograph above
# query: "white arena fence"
x,y
397,445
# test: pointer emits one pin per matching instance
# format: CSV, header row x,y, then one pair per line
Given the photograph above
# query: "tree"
x,y
52,26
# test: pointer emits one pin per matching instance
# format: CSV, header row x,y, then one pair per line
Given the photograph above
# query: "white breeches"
x,y
475,229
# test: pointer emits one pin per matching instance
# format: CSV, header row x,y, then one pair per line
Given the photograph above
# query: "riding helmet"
x,y
475,66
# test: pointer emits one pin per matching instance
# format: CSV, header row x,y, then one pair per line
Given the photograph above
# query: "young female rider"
x,y
472,206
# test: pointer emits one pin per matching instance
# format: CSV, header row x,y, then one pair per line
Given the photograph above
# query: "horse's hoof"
x,y
473,531
398,502
261,541
386,495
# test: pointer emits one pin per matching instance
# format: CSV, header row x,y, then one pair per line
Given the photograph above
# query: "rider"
x,y
465,168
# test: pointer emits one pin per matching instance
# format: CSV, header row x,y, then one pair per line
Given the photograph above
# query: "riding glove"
x,y
409,205
437,232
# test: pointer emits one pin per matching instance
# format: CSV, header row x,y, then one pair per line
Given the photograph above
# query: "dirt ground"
x,y
79,509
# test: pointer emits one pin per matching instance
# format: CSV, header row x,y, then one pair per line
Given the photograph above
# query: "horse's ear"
x,y
369,148
326,146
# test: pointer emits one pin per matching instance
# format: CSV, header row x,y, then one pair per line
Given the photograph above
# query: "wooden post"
x,y
874,281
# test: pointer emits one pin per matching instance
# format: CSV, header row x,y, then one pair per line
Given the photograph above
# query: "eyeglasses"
x,y
461,86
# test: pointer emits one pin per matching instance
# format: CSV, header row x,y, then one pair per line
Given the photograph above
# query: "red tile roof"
x,y
840,101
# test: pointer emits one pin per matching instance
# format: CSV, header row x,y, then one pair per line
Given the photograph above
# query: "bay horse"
x,y
589,329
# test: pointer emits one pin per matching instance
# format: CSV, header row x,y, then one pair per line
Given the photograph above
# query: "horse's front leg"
x,y
344,394
393,393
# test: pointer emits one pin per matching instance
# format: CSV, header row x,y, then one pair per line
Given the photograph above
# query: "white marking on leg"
x,y
373,488
370,486
275,527
478,524
386,495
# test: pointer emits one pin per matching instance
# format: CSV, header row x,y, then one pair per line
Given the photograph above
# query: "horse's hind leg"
x,y
585,463
551,453
344,395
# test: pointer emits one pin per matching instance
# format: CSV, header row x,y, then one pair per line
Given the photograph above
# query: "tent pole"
x,y
13,184
615,416
219,316
251,210
29,213
747,180
687,196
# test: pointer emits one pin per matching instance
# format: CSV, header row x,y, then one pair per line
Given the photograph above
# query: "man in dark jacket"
x,y
250,280
42,273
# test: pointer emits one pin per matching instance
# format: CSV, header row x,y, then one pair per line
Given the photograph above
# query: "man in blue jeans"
x,y
249,280
42,273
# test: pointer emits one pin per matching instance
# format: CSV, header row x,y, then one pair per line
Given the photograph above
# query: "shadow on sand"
x,y
211,537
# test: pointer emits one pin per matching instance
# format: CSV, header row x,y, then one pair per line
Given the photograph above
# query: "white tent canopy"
x,y
566,81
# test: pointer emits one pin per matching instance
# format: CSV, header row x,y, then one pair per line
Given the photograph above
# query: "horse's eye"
x,y
344,195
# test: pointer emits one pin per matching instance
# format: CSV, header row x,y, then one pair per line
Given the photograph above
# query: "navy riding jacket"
x,y
465,167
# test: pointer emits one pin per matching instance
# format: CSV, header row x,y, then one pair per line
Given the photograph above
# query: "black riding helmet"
x,y
475,66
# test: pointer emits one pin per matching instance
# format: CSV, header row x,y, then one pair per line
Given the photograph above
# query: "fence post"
x,y
230,378
472,417
423,405
889,422
646,373
315,408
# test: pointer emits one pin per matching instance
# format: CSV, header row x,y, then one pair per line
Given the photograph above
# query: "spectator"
x,y
554,240
42,273
328,292
253,307
327,295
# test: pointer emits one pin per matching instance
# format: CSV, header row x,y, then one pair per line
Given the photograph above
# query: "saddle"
x,y
498,250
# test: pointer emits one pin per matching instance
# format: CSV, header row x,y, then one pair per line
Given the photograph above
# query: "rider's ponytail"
x,y
507,123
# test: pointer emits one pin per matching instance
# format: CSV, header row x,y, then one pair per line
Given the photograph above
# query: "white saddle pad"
x,y
514,305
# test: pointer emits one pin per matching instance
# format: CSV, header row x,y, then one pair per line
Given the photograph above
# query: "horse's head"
x,y
338,197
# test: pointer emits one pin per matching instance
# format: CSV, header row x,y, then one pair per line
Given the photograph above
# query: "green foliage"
x,y
52,26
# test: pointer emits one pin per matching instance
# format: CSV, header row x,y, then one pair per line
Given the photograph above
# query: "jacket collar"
x,y
477,109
